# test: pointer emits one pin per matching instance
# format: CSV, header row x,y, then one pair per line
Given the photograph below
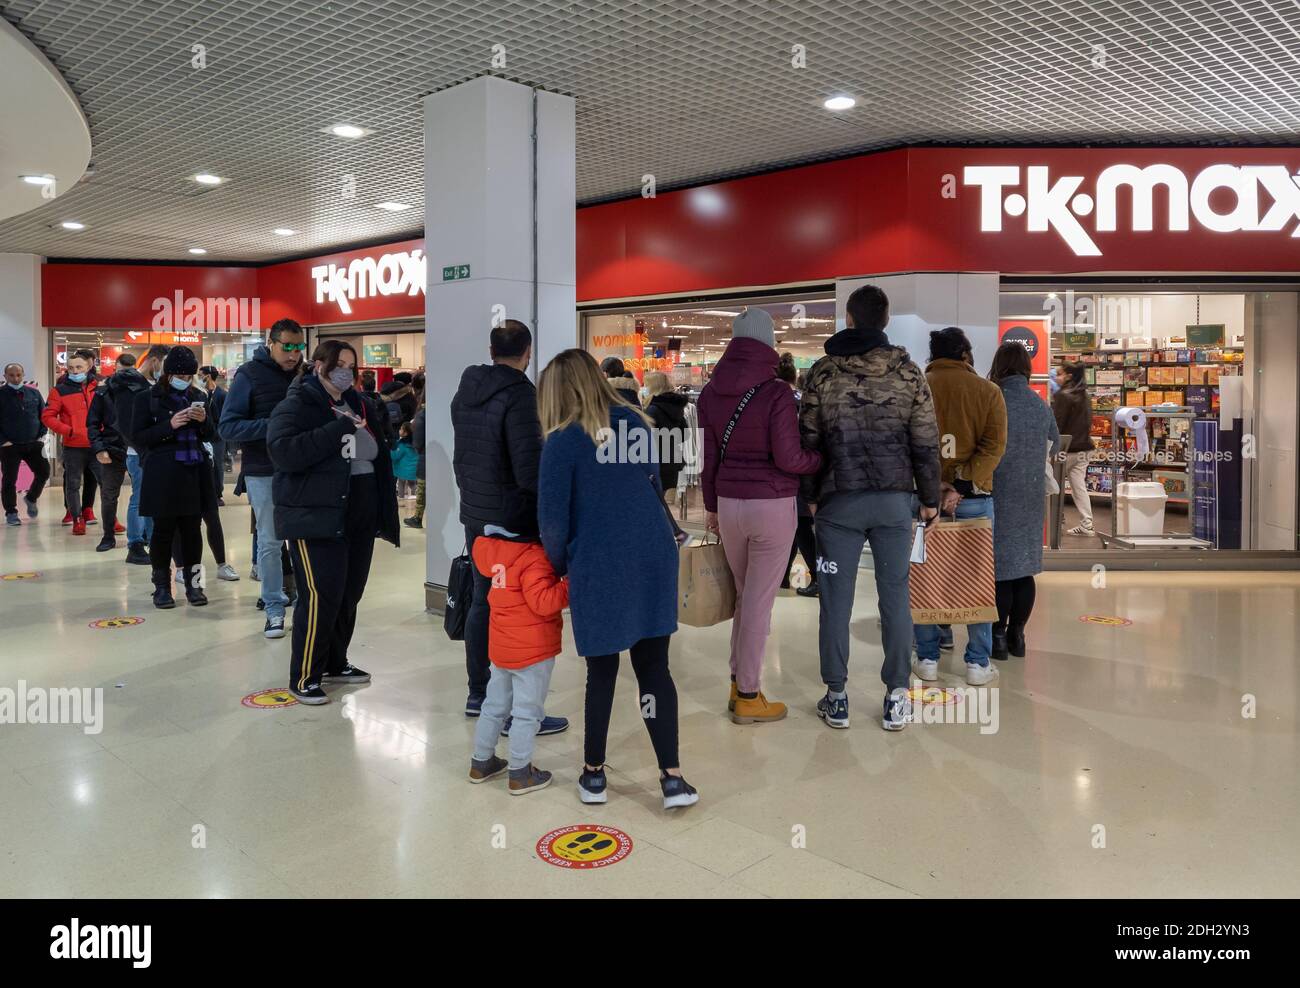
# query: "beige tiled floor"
x,y
1137,730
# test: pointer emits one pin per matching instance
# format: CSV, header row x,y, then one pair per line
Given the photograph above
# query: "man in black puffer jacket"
x,y
498,449
107,427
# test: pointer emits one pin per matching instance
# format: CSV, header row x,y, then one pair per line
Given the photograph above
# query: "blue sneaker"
x,y
834,712
473,706
550,725
898,711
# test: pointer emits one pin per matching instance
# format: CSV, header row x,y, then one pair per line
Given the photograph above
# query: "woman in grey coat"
x,y
1019,490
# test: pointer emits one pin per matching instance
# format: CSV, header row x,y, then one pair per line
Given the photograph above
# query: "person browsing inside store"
x,y
334,495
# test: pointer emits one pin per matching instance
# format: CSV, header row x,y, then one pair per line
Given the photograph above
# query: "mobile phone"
x,y
197,404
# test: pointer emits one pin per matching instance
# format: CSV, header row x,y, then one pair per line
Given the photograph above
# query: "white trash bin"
x,y
1140,508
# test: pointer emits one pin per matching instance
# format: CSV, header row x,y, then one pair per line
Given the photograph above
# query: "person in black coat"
x,y
667,410
108,442
170,424
334,494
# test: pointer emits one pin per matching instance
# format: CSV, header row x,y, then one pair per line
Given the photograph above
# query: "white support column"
x,y
481,215
22,338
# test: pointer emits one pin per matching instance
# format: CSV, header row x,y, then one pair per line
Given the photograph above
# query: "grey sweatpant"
x,y
521,695
843,522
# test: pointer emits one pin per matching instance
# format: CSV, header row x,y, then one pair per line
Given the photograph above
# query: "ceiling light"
x,y
207,178
38,179
840,103
283,231
392,207
198,250
350,131
718,312
72,225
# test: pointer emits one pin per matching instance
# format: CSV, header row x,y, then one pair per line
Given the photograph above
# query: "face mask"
x,y
157,376
341,378
16,387
180,385
77,378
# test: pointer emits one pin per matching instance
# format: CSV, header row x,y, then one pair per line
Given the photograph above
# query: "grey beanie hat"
x,y
755,324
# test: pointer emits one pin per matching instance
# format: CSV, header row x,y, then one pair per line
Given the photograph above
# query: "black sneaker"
x,y
261,604
898,711
677,792
834,712
592,785
412,522
274,627
313,696
348,674
549,725
106,543
473,705
137,554
812,590
11,518
33,509
999,645
481,771
527,779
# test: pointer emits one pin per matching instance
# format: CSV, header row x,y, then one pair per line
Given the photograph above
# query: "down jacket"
x,y
66,409
497,448
524,602
867,408
764,456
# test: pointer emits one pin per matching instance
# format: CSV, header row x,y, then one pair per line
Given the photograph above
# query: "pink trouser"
x,y
756,536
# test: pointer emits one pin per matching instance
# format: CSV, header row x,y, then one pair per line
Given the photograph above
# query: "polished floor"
x,y
1122,764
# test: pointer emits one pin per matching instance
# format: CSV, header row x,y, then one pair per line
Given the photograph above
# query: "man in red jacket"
x,y
65,413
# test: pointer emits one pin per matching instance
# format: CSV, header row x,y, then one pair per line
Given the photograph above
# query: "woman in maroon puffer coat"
x,y
749,493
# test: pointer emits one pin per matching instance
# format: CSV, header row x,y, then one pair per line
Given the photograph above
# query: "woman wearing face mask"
x,y
65,413
170,423
334,493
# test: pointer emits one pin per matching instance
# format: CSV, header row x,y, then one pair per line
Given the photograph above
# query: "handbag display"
x,y
954,584
460,592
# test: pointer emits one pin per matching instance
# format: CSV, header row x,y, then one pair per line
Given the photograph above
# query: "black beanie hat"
x,y
181,360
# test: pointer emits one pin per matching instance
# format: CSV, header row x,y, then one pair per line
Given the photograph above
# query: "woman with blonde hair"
x,y
597,485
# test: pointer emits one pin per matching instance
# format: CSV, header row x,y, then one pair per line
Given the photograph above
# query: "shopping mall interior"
x,y
1110,185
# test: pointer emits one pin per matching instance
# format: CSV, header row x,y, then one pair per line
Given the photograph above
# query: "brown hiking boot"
x,y
759,710
731,700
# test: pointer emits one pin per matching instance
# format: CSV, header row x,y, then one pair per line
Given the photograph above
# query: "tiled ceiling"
x,y
683,91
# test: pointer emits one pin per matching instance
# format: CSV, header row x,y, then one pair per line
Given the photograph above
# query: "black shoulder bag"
x,y
460,592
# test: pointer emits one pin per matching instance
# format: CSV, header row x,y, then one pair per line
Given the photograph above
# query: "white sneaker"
x,y
977,675
227,572
927,672
1081,530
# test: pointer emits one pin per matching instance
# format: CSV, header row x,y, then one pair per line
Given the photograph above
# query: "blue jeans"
x,y
979,645
138,529
269,566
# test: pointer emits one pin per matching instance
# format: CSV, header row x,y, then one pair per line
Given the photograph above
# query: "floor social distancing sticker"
x,y
20,576
1106,619
584,845
269,699
116,622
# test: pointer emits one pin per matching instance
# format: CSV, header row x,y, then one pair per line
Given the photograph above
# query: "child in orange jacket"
x,y
524,636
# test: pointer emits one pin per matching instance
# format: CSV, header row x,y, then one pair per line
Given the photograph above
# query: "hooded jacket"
x,y
497,447
668,411
66,409
312,479
867,408
108,423
970,409
1073,410
764,454
524,603
627,388
258,387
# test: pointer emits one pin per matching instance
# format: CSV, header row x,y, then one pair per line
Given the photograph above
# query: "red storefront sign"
x,y
1011,210
1031,332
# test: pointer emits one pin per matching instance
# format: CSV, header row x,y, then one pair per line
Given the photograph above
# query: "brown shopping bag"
x,y
706,590
954,583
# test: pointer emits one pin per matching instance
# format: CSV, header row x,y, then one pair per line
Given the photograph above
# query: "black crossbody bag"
x,y
735,417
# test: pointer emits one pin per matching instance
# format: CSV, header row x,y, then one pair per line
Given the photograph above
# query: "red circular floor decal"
x,y
21,576
1106,619
116,622
269,699
584,845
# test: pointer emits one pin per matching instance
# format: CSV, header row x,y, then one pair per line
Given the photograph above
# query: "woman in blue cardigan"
x,y
597,486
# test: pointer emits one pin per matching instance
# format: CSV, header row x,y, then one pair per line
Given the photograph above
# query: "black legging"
x,y
1015,602
654,685
805,543
188,548
216,539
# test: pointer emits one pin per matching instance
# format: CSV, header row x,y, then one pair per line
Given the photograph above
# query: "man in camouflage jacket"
x,y
867,409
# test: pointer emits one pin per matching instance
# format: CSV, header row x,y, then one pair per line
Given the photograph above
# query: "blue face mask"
x,y
16,387
77,378
180,385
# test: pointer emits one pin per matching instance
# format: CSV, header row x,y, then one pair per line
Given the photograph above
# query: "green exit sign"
x,y
455,272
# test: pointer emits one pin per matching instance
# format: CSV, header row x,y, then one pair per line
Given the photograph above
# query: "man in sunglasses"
x,y
258,386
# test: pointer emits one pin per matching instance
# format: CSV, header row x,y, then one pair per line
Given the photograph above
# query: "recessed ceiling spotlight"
x,y
72,225
198,250
38,179
350,131
283,231
392,207
207,178
840,103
